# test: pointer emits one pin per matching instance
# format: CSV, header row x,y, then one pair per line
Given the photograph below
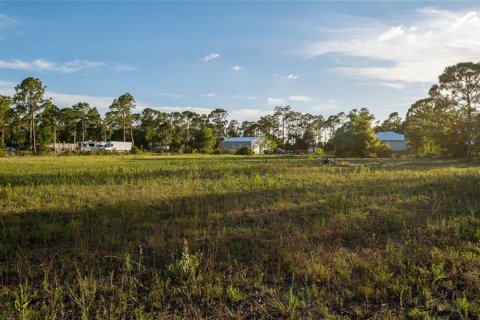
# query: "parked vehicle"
x,y
117,146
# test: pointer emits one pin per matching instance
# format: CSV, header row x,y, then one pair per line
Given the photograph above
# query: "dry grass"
x,y
151,237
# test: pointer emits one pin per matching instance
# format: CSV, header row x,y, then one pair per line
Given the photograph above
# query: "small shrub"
x,y
136,150
319,152
246,151
217,151
206,151
384,151
187,266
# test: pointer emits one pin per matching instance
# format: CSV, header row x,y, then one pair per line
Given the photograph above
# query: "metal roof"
x,y
390,136
240,139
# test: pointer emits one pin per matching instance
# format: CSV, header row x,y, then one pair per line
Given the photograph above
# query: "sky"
x,y
246,57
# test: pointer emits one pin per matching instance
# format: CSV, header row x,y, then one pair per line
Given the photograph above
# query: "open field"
x,y
151,237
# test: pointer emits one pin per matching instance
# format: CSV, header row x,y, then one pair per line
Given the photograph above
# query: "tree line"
x,y
445,123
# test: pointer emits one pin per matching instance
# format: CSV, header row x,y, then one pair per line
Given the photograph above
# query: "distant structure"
x,y
396,141
255,143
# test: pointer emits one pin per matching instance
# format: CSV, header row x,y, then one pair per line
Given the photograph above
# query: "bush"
x,y
246,151
217,151
383,151
319,152
136,150
206,151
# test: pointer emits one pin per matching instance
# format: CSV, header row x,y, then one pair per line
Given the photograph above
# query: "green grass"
x,y
152,237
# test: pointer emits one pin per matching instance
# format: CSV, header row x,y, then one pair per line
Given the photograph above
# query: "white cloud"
x,y
248,114
62,100
393,85
292,98
45,65
291,77
392,33
241,96
200,110
66,100
300,99
276,101
237,68
7,88
416,51
211,56
326,106
209,95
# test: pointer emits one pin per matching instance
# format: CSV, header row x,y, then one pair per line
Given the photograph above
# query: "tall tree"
x,y
217,120
461,84
233,129
81,109
283,114
93,124
51,113
28,98
393,123
122,109
5,105
204,140
356,136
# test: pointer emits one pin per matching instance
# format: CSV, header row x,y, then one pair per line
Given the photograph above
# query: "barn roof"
x,y
240,139
390,136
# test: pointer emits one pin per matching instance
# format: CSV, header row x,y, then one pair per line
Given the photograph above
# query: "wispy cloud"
x,y
300,99
50,66
237,68
211,56
209,95
65,100
7,88
276,101
169,95
124,67
393,85
7,22
241,96
248,114
331,105
291,77
292,98
415,51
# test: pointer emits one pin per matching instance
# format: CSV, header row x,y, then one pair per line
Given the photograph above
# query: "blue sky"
x,y
318,57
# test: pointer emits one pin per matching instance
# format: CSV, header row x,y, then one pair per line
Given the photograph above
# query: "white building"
x,y
255,143
396,141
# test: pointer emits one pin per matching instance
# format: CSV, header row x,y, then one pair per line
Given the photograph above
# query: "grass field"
x,y
152,237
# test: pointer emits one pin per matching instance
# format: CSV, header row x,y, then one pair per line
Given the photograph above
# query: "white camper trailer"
x,y
91,145
117,146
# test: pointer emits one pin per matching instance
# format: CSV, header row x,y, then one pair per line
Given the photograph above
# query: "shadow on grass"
x,y
234,226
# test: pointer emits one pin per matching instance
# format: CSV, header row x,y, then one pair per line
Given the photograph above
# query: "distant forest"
x,y
445,123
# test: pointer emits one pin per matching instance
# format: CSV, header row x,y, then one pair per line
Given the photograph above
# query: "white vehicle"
x,y
117,146
91,145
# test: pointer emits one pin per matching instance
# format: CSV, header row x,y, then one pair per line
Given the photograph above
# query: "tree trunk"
x,y
34,145
54,137
124,130
469,128
131,131
83,131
